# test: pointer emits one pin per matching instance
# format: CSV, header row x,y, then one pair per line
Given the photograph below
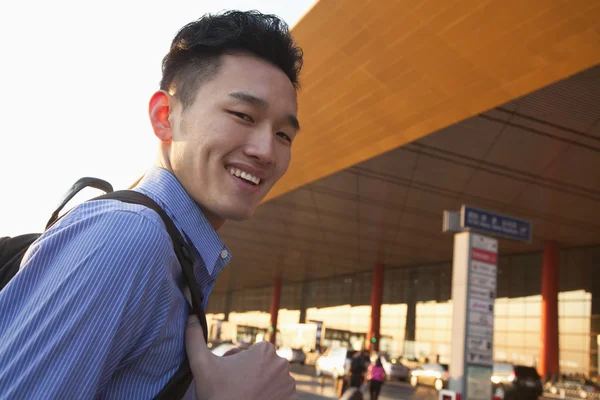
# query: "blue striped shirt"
x,y
97,309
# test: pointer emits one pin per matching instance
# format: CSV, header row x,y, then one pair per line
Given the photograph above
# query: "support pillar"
x,y
275,309
376,300
549,354
411,307
410,326
302,318
594,289
228,298
303,302
594,363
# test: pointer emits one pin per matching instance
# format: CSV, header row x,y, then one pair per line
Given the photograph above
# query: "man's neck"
x,y
215,221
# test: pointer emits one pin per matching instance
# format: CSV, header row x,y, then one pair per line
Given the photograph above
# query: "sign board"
x,y
448,395
480,331
479,384
482,281
481,318
481,295
477,344
486,257
483,306
484,268
480,358
494,224
474,278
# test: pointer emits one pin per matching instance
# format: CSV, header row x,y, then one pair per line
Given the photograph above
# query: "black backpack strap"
x,y
76,188
180,382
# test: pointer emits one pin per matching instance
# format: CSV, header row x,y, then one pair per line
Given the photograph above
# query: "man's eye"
x,y
284,136
243,116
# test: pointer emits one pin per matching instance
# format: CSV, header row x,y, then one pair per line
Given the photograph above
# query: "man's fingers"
x,y
194,341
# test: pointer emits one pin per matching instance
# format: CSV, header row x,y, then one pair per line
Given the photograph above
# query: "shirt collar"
x,y
164,188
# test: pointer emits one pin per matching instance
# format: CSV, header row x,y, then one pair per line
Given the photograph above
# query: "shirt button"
x,y
224,254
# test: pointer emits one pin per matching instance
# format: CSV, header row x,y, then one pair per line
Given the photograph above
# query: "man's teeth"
x,y
244,175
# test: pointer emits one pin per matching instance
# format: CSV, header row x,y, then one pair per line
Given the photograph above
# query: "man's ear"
x,y
159,110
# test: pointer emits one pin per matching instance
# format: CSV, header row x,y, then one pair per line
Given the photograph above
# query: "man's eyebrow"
x,y
262,103
250,99
293,121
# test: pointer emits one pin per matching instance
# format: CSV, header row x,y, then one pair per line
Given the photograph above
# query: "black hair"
x,y
195,52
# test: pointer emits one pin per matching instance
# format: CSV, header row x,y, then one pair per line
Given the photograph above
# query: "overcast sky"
x,y
76,80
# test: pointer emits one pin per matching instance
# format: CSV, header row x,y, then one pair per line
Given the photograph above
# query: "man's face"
x,y
234,142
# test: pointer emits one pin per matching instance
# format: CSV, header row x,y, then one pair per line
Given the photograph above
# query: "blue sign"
x,y
495,224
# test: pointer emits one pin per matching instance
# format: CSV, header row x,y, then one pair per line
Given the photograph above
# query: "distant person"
x,y
97,309
376,378
358,367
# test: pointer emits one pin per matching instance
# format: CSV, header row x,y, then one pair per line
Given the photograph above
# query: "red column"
x,y
376,299
548,364
275,309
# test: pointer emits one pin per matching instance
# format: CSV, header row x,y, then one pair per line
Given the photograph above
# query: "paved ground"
x,y
311,388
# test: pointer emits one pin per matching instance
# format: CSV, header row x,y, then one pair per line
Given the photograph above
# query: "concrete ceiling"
x,y
537,157
382,73
368,185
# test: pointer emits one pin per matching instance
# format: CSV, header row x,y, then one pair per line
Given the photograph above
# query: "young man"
x,y
98,309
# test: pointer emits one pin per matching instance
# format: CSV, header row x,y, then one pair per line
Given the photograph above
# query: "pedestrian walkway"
x,y
311,388
314,388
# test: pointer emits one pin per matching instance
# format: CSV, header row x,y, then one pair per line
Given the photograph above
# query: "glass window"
x,y
532,340
572,308
516,308
501,307
533,306
501,324
500,339
533,324
516,324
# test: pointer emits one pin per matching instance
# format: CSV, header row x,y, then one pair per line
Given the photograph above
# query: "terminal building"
x,y
409,111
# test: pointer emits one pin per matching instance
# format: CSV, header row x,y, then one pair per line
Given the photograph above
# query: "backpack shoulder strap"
x,y
180,382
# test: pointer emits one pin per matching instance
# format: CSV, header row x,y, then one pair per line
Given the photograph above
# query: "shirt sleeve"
x,y
82,299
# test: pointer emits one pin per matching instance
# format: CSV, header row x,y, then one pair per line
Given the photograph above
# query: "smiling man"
x,y
98,308
231,144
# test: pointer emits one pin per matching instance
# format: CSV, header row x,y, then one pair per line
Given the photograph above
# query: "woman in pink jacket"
x,y
376,377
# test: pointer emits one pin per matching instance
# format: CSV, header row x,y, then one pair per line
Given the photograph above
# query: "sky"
x,y
76,81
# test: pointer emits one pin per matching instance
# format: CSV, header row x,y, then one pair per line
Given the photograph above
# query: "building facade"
x,y
416,313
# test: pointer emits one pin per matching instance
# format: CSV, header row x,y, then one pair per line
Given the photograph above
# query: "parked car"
x,y
334,362
435,375
224,347
292,355
394,369
516,382
312,357
573,387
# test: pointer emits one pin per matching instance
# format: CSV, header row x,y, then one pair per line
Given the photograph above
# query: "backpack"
x,y
12,251
376,373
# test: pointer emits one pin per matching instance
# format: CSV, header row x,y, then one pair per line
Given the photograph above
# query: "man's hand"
x,y
255,374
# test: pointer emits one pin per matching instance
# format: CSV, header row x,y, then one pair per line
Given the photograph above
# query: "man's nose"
x,y
261,146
